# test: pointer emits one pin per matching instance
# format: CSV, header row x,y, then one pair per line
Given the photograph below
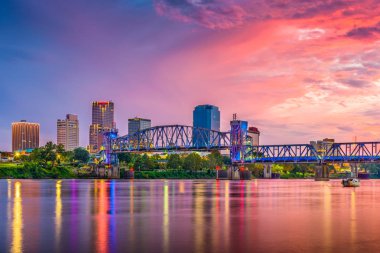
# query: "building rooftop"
x,y
138,119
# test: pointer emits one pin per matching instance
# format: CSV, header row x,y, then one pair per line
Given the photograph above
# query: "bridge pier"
x,y
129,174
354,170
268,171
322,173
115,171
235,173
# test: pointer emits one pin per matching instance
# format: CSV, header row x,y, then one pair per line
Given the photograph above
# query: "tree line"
x,y
192,161
52,155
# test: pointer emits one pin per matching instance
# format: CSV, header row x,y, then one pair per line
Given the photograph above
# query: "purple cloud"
x,y
364,32
207,13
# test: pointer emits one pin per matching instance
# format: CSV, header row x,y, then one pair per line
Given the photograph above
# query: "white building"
x,y
254,135
68,132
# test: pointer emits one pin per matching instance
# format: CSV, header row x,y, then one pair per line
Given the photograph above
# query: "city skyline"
x,y
274,67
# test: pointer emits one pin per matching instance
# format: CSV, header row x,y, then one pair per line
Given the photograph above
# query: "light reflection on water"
x,y
188,216
58,214
17,220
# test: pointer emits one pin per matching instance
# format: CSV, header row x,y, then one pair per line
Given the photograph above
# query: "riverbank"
x,y
35,171
30,170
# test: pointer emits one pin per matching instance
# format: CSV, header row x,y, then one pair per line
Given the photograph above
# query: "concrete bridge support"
x,y
235,173
321,172
115,171
268,171
354,170
129,174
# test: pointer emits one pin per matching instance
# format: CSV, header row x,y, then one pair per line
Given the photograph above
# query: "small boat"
x,y
350,182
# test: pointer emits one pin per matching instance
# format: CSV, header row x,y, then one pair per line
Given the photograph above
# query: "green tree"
x,y
193,162
125,157
214,159
81,154
60,149
138,163
68,156
226,160
174,162
46,156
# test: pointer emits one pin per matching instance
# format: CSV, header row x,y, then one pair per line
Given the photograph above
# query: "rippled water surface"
x,y
188,216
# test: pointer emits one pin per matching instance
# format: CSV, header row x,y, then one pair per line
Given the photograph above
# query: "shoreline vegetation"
x,y
52,161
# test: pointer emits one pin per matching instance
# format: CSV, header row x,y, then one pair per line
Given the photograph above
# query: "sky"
x,y
298,70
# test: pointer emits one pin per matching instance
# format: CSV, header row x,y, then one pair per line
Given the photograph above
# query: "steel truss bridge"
x,y
354,152
172,137
187,138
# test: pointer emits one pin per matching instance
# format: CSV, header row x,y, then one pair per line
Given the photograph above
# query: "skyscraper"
x,y
102,120
25,135
137,124
205,116
68,132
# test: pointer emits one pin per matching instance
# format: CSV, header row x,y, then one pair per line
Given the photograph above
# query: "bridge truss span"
x,y
362,152
293,153
172,137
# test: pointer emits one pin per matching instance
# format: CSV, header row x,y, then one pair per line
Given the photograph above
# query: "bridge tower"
x,y
239,130
111,161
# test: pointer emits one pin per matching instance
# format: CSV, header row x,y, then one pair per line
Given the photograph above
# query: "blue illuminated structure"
x,y
108,141
238,145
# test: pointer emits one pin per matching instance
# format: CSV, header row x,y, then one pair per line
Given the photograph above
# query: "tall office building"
x,y
205,116
102,120
68,132
25,135
137,124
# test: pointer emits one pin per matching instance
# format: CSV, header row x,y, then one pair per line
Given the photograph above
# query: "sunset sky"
x,y
298,70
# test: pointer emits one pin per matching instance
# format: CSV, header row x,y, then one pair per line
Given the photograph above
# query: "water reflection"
x,y
112,212
189,216
199,228
327,217
226,217
181,187
102,219
17,223
131,218
353,219
58,213
165,225
216,215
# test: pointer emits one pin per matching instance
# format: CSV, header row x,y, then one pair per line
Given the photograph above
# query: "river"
x,y
202,216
